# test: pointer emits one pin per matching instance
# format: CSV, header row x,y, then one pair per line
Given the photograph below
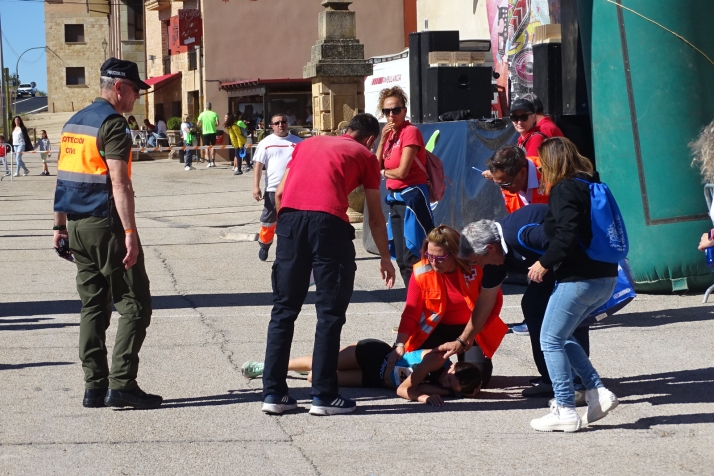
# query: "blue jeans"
x,y
19,149
320,242
569,305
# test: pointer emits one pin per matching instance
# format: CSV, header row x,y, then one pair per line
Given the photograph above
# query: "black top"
x,y
519,257
568,228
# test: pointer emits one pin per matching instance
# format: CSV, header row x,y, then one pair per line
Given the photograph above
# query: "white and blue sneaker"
x,y
337,406
275,404
520,329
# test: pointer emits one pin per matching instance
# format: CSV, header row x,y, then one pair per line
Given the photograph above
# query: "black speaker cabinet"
x,y
547,77
415,110
575,93
453,88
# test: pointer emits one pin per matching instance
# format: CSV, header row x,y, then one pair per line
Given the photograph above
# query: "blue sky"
x,y
23,27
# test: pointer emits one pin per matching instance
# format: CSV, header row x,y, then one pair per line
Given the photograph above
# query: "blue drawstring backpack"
x,y
609,243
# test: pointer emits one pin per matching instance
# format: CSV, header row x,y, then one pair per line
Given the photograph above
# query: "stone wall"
x,y
466,16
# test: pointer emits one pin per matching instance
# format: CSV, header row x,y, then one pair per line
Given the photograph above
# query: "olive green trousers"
x,y
101,278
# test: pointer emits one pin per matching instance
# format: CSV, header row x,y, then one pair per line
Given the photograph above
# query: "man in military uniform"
x,y
94,212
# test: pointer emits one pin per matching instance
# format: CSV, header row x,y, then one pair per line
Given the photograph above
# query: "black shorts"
x,y
372,356
209,139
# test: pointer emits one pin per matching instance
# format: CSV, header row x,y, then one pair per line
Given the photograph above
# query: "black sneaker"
x,y
238,172
275,404
94,397
337,406
136,398
263,252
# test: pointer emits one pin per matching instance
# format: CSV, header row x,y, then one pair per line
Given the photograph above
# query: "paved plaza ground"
x,y
212,301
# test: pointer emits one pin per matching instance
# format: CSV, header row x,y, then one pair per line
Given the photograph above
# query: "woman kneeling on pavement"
x,y
583,285
422,376
440,298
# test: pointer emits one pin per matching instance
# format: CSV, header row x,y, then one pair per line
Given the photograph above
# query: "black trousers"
x,y
405,258
320,242
534,302
443,334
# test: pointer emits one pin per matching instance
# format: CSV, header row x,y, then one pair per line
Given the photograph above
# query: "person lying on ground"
x,y
421,376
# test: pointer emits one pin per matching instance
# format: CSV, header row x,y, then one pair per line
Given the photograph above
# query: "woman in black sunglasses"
x,y
441,296
402,158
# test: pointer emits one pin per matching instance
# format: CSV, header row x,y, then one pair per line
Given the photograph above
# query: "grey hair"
x,y
107,83
476,236
703,151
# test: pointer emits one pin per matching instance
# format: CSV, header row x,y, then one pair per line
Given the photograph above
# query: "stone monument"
x,y
337,68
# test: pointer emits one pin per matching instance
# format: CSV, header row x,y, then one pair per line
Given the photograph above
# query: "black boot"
x,y
94,397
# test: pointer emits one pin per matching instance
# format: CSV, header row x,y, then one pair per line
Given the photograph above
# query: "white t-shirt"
x,y
17,138
274,153
161,127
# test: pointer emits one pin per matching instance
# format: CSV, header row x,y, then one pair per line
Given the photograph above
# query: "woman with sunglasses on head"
x,y
583,285
441,295
402,157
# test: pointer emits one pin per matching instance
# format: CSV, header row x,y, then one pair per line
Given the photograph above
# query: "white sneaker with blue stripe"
x,y
337,406
275,404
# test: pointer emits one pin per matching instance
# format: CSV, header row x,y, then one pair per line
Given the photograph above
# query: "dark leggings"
x,y
443,334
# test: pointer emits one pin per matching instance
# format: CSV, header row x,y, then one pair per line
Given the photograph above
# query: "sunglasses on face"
x,y
504,184
395,110
436,259
277,123
520,117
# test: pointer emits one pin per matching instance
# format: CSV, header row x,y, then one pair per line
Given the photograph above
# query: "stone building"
x,y
250,54
80,36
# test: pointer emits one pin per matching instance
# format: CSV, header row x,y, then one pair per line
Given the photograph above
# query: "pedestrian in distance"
x,y
315,236
43,145
188,135
208,122
583,285
232,126
402,157
96,227
20,143
131,121
3,154
273,154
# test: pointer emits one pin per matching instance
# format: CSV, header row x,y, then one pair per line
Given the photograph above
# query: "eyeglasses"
x,y
521,117
132,85
504,184
437,259
394,110
277,123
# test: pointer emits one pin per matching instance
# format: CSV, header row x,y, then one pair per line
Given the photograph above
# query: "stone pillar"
x,y
337,68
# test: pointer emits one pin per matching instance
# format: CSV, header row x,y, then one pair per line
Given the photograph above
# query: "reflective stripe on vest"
x,y
82,172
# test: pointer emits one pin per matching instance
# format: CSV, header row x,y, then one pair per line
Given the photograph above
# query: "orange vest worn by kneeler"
x,y
434,294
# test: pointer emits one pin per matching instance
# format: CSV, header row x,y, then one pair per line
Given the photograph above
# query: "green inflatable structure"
x,y
651,95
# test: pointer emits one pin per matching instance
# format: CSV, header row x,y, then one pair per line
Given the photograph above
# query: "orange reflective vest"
x,y
514,201
83,187
434,294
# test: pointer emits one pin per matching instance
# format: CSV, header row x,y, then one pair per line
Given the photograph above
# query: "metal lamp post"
x,y
104,47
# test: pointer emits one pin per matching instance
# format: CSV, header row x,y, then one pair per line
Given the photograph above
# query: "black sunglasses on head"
x,y
394,110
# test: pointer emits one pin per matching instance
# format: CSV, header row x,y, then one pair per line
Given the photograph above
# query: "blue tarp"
x,y
469,197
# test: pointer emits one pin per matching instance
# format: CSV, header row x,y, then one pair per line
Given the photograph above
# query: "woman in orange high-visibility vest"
x,y
440,298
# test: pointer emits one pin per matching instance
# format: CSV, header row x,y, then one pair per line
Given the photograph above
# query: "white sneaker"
x,y
208,165
26,173
600,402
559,419
579,399
188,167
15,174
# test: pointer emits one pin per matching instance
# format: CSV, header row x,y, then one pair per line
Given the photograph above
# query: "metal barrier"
x,y
190,147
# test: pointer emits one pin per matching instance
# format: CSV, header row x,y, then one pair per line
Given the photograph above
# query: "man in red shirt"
x,y
314,234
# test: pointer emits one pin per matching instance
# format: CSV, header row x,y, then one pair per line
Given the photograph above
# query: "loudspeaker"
x,y
453,88
547,77
575,93
415,109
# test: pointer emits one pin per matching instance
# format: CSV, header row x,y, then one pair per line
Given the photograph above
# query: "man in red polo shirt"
x,y
314,234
